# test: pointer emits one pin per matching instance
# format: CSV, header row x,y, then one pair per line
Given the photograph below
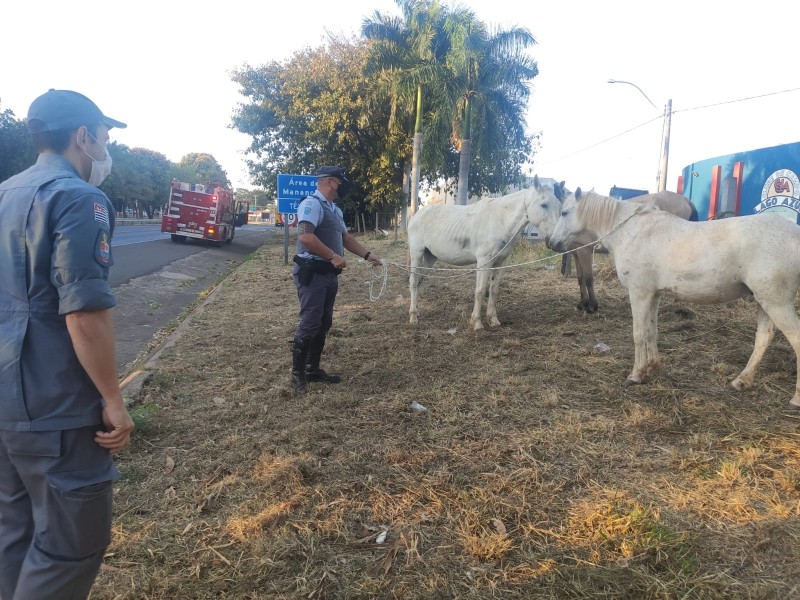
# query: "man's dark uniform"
x,y
55,254
317,283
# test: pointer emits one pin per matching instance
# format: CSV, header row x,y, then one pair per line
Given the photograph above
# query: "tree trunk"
x,y
463,172
466,155
406,195
416,152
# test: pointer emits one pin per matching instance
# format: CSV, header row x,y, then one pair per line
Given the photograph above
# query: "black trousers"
x,y
316,304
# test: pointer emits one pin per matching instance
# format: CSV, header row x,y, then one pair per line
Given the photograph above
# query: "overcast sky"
x,y
164,68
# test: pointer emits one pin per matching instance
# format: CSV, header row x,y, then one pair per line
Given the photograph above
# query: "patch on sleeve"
x,y
101,214
102,249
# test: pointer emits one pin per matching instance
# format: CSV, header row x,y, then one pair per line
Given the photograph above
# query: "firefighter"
x,y
61,409
322,237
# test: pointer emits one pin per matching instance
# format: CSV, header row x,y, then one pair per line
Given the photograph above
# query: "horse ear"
x,y
560,191
578,194
536,181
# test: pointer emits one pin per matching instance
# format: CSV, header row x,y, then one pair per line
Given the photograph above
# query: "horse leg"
x,y
494,288
481,281
583,266
785,318
765,331
419,260
644,306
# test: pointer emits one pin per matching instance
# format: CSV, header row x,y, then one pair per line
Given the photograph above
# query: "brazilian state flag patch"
x,y
102,249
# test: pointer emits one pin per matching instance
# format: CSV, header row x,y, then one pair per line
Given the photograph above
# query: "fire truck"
x,y
203,212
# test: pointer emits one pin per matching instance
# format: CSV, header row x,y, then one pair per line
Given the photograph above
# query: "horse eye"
x,y
544,205
563,213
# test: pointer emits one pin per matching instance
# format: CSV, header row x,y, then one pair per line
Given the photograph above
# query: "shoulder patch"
x,y
101,214
102,249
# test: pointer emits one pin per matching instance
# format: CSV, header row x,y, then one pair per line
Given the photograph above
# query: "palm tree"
x,y
493,72
407,58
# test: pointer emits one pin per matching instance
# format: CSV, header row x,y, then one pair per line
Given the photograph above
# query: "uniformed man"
x,y
322,237
61,410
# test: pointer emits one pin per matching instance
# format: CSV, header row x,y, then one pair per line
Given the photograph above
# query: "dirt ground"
x,y
532,473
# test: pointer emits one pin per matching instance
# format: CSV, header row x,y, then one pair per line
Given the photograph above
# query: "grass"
x,y
533,474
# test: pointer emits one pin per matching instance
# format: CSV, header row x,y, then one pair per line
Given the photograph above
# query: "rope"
x,y
382,274
377,274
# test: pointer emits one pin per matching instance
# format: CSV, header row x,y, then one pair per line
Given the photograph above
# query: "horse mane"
x,y
597,212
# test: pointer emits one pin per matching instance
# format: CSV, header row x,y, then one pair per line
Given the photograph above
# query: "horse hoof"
x,y
629,382
739,385
794,406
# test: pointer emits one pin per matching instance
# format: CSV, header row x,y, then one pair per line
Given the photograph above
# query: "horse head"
x,y
568,226
542,206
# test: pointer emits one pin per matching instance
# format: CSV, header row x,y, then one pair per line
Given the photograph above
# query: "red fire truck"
x,y
203,212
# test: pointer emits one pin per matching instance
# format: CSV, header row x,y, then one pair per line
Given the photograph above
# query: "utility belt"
x,y
310,266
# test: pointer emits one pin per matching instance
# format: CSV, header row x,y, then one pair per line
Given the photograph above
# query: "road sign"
x,y
292,189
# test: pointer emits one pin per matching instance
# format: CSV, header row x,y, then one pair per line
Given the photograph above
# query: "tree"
x,y
16,149
202,168
140,179
313,110
254,198
493,73
409,56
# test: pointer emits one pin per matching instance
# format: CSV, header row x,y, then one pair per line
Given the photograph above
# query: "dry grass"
x,y
533,473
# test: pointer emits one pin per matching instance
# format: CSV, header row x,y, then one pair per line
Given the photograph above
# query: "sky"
x,y
164,68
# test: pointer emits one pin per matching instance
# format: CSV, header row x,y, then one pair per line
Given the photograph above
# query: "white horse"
x,y
671,202
707,262
484,233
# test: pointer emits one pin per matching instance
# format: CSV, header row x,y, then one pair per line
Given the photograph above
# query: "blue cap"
x,y
64,109
330,171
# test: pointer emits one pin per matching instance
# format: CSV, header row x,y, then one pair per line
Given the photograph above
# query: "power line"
x,y
627,131
601,142
737,100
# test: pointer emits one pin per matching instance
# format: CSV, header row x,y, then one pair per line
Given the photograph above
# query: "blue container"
x,y
769,181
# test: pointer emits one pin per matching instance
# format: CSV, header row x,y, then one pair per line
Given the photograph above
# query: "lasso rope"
x,y
383,274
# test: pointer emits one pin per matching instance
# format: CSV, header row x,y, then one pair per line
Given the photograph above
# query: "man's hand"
x,y
374,259
119,427
339,262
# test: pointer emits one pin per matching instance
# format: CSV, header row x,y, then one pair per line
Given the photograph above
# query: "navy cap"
x,y
64,109
330,171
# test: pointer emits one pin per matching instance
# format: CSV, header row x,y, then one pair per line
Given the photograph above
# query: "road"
x,y
154,279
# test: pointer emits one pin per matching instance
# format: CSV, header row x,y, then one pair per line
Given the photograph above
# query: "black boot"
x,y
313,372
299,360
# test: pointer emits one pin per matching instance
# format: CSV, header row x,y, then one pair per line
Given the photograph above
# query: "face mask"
x,y
100,168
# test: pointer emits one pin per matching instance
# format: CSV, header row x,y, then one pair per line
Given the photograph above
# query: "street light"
x,y
662,171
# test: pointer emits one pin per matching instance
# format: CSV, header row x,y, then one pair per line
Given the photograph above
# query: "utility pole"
x,y
661,178
662,172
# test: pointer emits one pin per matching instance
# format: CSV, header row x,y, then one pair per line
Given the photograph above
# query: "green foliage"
x,y
142,414
16,150
140,180
202,168
313,110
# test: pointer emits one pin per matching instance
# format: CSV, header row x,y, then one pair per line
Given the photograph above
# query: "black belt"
x,y
316,266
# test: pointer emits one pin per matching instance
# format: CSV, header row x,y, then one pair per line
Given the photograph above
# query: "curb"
x,y
131,385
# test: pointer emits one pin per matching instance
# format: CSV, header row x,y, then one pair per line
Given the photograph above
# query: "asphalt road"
x,y
154,279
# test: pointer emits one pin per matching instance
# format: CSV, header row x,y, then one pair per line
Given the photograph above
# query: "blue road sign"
x,y
292,189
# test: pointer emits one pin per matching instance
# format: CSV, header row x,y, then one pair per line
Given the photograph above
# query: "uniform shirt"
x,y
55,254
328,222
